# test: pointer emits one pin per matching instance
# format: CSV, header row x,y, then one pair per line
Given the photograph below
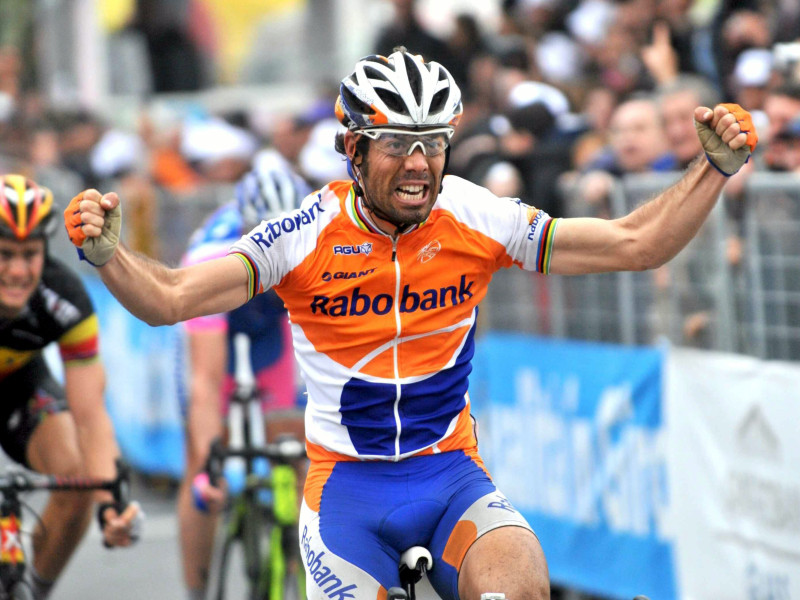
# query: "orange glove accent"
x,y
745,121
721,156
73,223
98,250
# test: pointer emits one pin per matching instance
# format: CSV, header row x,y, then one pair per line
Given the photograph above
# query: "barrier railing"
x,y
734,288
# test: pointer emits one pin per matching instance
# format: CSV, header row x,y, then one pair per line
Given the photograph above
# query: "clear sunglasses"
x,y
403,142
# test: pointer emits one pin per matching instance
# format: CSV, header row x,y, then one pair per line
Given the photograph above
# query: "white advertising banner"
x,y
733,463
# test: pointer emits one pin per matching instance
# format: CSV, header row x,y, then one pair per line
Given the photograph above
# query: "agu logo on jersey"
x,y
364,248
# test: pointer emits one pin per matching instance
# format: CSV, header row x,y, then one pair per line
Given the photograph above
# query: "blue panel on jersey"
x,y
426,408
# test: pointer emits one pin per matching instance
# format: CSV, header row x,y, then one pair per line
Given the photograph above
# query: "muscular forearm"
x,y
84,385
142,286
662,227
162,296
646,238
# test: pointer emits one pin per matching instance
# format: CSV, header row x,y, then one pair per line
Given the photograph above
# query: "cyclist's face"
x,y
402,175
21,265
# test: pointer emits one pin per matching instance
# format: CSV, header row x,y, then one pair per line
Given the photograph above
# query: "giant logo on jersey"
x,y
358,304
327,275
277,227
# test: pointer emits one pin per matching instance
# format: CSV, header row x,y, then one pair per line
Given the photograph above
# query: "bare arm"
x,y
655,232
150,290
84,385
208,354
160,295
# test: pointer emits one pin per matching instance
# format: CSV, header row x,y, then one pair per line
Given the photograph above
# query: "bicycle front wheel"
x,y
227,558
255,542
21,591
287,576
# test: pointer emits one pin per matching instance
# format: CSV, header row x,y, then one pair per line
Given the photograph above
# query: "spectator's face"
x,y
637,136
402,187
288,138
600,104
43,150
677,113
21,265
780,110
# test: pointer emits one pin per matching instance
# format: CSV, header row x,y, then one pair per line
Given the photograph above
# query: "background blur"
x,y
646,423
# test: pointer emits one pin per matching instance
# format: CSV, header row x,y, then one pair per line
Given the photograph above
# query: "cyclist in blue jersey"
x,y
382,276
270,189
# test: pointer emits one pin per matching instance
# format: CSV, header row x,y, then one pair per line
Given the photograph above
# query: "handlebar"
x,y
16,479
284,451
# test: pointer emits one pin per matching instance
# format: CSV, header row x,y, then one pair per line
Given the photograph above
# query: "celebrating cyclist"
x,y
264,193
382,277
53,429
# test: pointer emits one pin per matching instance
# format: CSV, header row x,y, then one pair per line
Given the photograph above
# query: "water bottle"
x,y
235,467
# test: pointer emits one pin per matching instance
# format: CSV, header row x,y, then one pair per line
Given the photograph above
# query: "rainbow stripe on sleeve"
x,y
81,343
545,252
253,280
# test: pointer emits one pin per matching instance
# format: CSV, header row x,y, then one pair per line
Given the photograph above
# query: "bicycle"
x,y
261,518
16,480
414,565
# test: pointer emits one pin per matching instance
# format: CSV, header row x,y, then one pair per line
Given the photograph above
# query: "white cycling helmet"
x,y
399,91
265,193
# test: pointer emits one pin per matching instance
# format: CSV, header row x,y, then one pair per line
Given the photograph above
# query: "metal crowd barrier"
x,y
734,288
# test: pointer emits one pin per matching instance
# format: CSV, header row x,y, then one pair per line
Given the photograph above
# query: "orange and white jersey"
x,y
383,328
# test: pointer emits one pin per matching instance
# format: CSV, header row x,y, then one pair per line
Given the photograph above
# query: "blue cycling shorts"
x,y
359,517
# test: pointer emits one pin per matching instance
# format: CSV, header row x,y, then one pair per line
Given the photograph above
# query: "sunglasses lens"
x,y
404,144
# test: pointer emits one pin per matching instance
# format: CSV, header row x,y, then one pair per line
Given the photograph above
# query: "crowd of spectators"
x,y
562,98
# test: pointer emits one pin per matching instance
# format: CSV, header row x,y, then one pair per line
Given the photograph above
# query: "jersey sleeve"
x,y
80,344
73,311
531,241
522,234
275,247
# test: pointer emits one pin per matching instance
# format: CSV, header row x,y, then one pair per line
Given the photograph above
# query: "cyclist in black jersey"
x,y
50,428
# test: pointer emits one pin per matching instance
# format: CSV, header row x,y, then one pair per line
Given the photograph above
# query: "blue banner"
x,y
572,433
142,364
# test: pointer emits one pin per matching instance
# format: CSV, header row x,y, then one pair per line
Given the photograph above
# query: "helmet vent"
x,y
352,101
414,79
438,100
392,100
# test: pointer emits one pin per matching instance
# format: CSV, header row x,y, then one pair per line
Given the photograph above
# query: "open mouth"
x,y
412,194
